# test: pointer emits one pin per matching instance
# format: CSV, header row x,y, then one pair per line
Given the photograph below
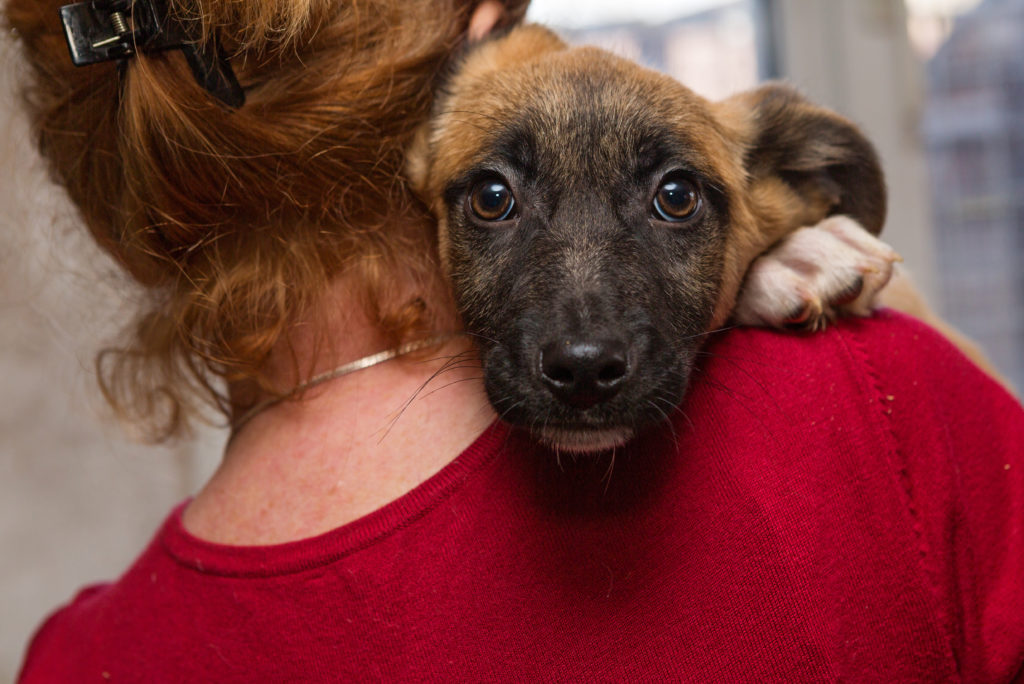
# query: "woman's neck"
x,y
349,446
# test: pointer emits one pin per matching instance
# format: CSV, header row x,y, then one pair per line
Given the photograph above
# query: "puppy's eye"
x,y
492,200
677,199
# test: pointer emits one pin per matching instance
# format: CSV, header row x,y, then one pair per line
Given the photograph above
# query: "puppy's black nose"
x,y
582,373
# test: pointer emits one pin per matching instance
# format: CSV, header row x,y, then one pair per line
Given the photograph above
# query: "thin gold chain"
x,y
345,369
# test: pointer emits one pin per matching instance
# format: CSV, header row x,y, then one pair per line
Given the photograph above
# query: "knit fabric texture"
x,y
845,506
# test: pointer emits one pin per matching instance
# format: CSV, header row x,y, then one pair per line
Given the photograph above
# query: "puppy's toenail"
x,y
851,293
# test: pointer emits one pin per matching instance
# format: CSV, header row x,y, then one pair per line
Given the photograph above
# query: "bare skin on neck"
x,y
353,444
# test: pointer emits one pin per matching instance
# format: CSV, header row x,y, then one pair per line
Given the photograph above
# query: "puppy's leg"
x,y
814,275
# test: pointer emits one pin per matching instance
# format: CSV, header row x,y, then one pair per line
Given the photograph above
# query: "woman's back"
x,y
841,506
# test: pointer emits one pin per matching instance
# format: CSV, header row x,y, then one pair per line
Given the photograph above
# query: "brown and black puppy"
x,y
597,220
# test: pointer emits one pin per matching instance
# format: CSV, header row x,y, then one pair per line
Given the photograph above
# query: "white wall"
x,y
77,500
855,57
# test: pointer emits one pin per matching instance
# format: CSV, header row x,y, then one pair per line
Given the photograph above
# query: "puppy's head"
x,y
596,220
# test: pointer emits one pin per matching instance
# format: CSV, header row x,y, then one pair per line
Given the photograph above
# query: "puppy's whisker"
x,y
735,362
510,408
481,336
450,362
475,378
708,333
687,418
665,418
460,363
607,477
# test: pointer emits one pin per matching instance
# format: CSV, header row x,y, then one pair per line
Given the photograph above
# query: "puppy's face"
x,y
595,220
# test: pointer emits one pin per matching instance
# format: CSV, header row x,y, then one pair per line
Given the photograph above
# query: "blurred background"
x,y
938,85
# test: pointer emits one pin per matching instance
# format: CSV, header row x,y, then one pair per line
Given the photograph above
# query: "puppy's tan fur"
x,y
580,265
765,207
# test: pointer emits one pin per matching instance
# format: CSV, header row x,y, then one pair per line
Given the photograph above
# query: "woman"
x,y
302,182
822,529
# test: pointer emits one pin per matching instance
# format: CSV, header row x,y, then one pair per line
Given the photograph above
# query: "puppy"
x,y
597,220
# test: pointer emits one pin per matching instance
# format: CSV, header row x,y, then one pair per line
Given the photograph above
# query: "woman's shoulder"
x,y
132,624
879,355
889,380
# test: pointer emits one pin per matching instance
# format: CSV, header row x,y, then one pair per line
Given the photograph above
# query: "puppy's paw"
x,y
814,275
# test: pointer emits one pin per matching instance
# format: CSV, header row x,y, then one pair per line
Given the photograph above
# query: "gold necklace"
x,y
344,369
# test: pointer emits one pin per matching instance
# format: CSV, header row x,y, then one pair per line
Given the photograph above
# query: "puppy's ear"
x,y
805,162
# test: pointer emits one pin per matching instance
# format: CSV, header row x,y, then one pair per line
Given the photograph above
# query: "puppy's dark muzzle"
x,y
584,372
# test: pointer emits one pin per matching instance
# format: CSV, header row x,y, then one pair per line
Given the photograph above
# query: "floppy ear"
x,y
805,163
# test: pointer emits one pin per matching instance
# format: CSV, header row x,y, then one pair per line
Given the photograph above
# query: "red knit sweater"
x,y
844,506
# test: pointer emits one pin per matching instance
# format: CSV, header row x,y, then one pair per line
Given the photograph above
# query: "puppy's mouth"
x,y
582,440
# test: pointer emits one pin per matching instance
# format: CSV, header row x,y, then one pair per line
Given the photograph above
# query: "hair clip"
x,y
105,30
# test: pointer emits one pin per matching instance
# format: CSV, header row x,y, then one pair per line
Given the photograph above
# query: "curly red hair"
x,y
234,221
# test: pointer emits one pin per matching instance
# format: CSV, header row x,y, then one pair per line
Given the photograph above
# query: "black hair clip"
x,y
104,30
